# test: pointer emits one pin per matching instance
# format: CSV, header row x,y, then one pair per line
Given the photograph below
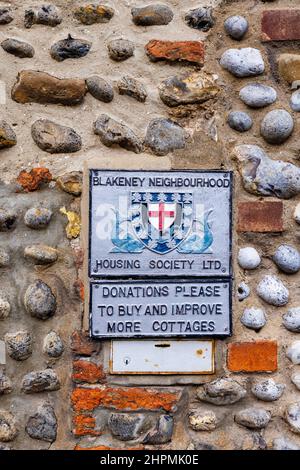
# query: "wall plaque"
x,y
162,357
137,309
151,223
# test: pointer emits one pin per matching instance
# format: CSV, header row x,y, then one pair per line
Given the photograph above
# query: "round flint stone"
x,y
245,62
268,390
291,320
100,89
19,345
287,258
253,418
8,426
293,417
43,424
248,258
239,121
277,126
295,101
256,95
40,301
296,380
243,291
273,291
4,308
297,213
120,49
236,27
53,345
293,352
37,217
254,318
281,443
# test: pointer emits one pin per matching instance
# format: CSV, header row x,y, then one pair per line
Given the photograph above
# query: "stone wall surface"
x,y
178,85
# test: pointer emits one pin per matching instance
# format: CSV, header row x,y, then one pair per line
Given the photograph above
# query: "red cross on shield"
x,y
161,215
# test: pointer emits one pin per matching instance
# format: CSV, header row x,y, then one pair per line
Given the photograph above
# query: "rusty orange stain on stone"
x,y
261,217
87,371
256,356
82,345
87,399
32,180
182,51
85,425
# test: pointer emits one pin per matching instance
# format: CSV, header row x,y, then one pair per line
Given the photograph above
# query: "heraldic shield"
x,y
161,221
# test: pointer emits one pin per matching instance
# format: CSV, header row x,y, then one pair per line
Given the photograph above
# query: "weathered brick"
x,y
82,345
281,25
256,356
79,288
32,180
258,216
86,371
176,51
87,399
85,426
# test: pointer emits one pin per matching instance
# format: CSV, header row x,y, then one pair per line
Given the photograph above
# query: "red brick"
x,y
257,356
86,371
85,426
87,399
258,216
281,25
176,51
82,345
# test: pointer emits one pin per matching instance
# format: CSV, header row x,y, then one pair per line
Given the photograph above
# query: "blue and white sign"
x,y
158,224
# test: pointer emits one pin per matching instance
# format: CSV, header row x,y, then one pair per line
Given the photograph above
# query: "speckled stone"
x,y
131,87
296,379
253,418
8,426
8,136
152,15
243,291
48,15
293,417
221,392
41,254
18,48
55,138
282,443
53,345
125,427
268,390
200,18
204,420
7,220
164,136
93,13
293,352
112,132
70,48
273,291
291,319
5,308
37,217
236,27
42,425
246,62
163,431
266,177
257,95
248,258
287,258
254,318
18,345
4,258
120,49
39,300
277,126
239,121
40,381
5,384
100,89
295,101
6,15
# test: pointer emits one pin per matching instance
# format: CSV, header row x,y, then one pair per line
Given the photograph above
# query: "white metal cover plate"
x,y
162,357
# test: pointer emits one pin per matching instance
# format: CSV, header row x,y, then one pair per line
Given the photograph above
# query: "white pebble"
x,y
248,258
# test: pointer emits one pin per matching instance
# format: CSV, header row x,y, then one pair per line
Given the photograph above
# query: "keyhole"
x,y
126,360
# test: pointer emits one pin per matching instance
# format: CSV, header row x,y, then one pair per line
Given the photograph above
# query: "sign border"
x,y
167,281
229,173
